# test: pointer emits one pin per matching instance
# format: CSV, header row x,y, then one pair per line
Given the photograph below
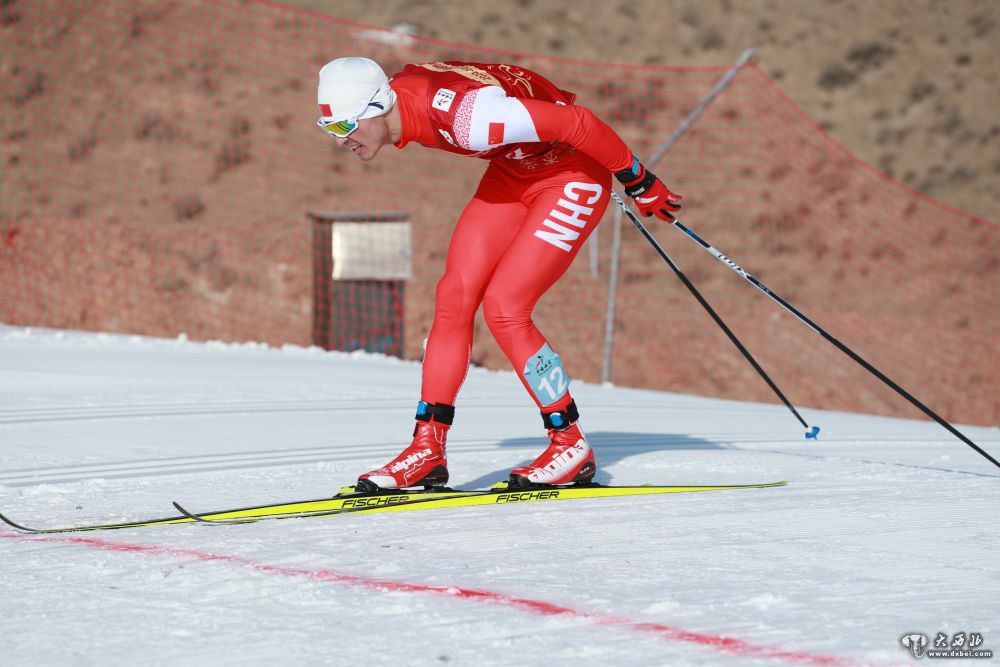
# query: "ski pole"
x,y
840,346
812,431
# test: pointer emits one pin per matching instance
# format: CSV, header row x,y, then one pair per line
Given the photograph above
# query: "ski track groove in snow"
x,y
299,456
209,463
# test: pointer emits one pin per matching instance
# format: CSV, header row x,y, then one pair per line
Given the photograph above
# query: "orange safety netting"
x,y
161,160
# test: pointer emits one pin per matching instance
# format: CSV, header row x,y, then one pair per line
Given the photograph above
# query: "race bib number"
x,y
545,375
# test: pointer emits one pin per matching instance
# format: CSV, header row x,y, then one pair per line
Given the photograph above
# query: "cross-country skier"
x,y
543,193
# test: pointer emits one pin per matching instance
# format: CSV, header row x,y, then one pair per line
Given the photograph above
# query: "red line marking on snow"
x,y
719,643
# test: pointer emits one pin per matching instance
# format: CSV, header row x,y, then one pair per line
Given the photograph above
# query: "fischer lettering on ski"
x,y
376,501
527,495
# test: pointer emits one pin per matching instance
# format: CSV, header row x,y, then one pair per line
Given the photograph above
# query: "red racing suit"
x,y
545,190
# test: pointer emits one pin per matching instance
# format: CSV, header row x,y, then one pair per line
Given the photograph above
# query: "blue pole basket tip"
x,y
812,433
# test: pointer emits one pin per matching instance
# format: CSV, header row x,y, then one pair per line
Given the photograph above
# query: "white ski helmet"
x,y
352,89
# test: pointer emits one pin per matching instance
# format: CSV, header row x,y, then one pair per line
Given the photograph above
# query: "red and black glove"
x,y
650,194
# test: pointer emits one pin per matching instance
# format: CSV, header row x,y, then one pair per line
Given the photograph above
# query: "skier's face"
x,y
366,141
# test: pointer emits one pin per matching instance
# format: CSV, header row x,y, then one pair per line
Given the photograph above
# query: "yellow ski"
x,y
499,494
342,501
349,501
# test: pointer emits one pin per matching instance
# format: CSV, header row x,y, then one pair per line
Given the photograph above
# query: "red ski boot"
x,y
424,462
567,460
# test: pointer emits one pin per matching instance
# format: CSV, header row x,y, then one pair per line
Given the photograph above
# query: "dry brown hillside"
x,y
911,86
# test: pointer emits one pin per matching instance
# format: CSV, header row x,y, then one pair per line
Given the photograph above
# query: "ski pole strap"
x,y
636,178
436,412
631,173
561,419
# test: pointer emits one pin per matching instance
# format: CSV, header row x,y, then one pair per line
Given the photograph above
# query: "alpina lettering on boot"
x,y
410,460
562,461
565,459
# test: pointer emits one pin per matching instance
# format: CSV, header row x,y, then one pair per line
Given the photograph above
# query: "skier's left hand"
x,y
650,194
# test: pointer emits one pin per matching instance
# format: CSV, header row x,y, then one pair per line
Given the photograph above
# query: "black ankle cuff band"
x,y
561,419
437,412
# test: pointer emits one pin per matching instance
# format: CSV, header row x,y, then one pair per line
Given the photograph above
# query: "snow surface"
x,y
887,527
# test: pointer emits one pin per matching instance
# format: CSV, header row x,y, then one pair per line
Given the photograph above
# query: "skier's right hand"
x,y
650,194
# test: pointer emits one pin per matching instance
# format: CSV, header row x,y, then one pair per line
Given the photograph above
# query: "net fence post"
x,y
609,319
702,105
692,117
